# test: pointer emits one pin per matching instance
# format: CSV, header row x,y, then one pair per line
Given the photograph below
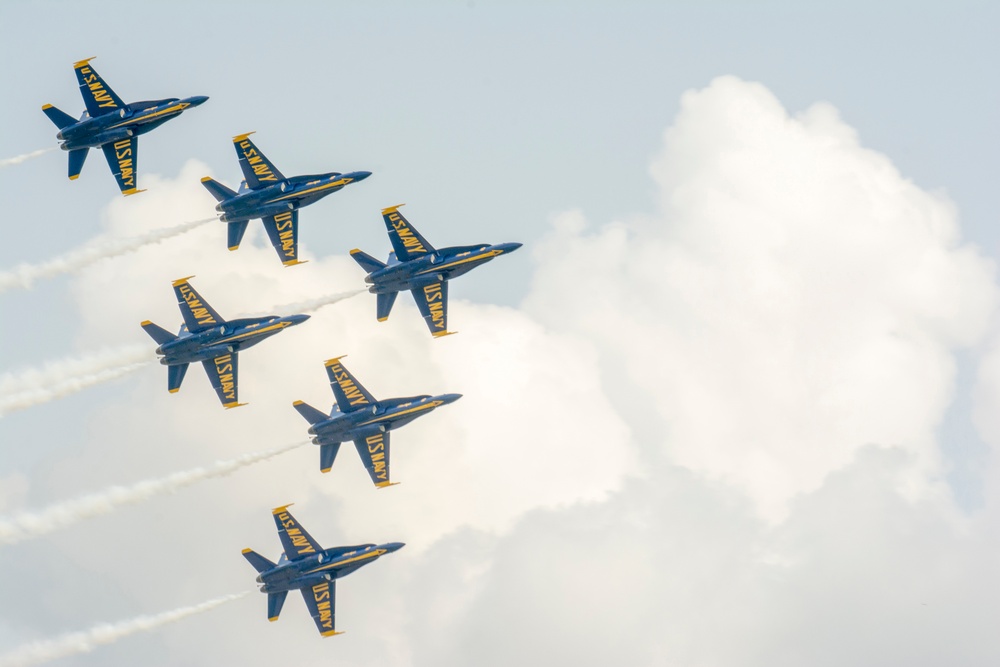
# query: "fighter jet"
x,y
358,416
415,265
111,124
208,338
307,566
268,195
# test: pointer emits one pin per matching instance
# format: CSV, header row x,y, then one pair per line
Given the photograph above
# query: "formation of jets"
x,y
414,265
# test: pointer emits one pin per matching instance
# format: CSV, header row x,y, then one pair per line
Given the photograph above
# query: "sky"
x,y
730,405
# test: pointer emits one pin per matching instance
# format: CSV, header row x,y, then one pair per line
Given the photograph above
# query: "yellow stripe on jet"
x,y
279,325
241,137
425,406
433,269
181,281
391,209
279,510
81,63
339,181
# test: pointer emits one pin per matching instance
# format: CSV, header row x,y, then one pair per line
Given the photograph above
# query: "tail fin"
x,y
61,119
383,305
367,262
76,159
159,334
311,414
259,563
236,231
218,190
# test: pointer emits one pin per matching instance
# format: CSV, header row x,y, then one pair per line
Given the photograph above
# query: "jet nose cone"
x,y
198,99
361,175
297,319
449,398
509,247
393,546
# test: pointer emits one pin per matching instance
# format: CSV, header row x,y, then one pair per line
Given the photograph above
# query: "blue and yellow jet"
x,y
417,266
213,341
310,568
112,125
268,195
358,416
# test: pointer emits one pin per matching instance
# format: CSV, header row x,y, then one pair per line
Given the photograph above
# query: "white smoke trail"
x,y
307,306
61,377
24,275
18,159
28,525
74,643
311,305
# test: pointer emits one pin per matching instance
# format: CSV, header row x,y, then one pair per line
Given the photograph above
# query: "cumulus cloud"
x,y
708,437
795,300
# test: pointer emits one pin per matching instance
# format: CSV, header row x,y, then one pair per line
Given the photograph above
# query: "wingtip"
x,y
272,618
205,179
355,251
325,469
74,177
297,403
331,362
173,391
233,247
145,323
246,551
279,510
241,137
442,334
233,404
45,107
81,63
331,633
386,485
181,281
391,209
382,319
295,262
132,191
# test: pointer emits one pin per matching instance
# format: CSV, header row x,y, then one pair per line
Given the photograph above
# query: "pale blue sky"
x,y
486,118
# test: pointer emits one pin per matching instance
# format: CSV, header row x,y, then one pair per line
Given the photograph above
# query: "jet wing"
x,y
296,542
374,453
432,300
350,394
222,371
321,599
97,95
258,171
283,230
121,156
197,314
405,239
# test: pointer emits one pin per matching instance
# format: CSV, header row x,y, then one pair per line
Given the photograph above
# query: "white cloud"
x,y
707,439
795,300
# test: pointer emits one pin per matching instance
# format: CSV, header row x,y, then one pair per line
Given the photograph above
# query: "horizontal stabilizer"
x,y
383,305
311,414
175,376
367,262
236,231
157,333
76,159
217,190
327,455
274,603
59,118
259,563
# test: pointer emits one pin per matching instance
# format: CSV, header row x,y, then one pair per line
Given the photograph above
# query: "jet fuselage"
x,y
384,416
232,336
438,266
138,118
327,565
287,195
